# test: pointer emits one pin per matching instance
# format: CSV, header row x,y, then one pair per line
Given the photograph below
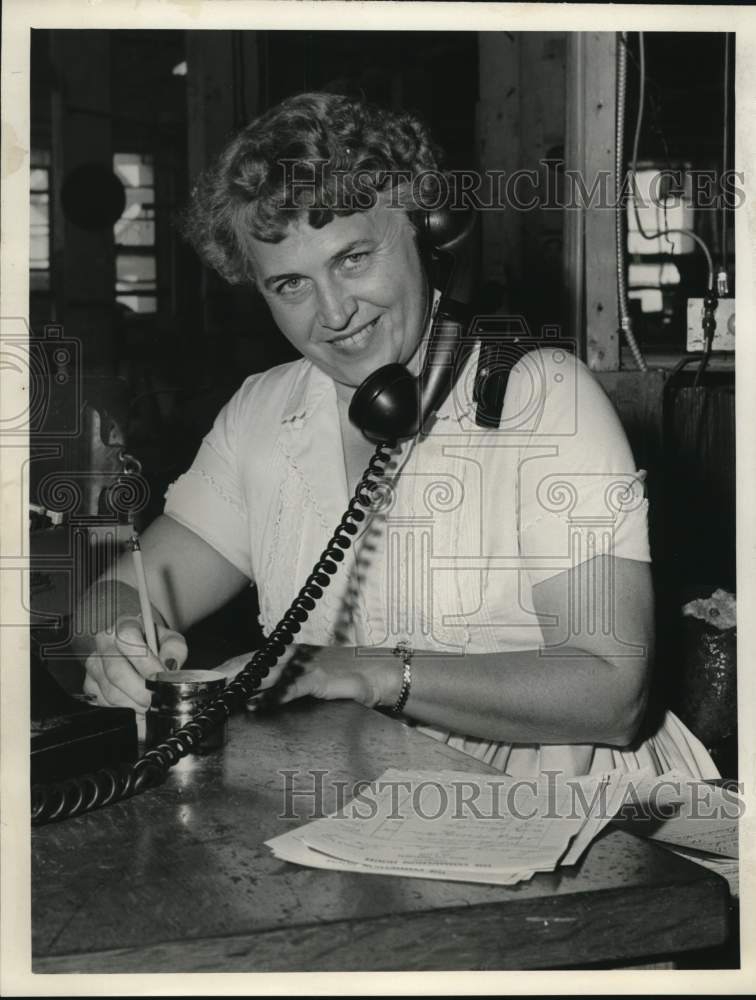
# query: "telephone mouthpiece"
x,y
386,406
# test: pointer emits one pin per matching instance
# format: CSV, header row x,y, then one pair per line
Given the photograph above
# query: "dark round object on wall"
x,y
93,197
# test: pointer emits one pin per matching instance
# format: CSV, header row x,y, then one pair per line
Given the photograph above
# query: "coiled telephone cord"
x,y
72,797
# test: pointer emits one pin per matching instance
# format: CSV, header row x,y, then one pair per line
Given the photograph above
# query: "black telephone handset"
x,y
391,404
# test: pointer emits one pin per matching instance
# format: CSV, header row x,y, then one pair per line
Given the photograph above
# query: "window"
x,y
39,232
134,233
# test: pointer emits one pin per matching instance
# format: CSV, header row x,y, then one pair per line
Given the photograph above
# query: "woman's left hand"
x,y
329,672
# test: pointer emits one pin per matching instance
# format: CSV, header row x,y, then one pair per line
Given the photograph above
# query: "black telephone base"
x,y
71,737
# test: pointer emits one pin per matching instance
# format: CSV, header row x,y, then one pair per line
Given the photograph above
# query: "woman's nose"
x,y
336,306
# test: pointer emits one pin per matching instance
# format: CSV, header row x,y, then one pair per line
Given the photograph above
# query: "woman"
x,y
508,567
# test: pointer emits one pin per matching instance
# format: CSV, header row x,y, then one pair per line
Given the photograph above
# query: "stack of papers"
x,y
462,827
696,820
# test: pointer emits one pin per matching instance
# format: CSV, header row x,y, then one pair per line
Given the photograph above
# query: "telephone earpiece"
x,y
392,403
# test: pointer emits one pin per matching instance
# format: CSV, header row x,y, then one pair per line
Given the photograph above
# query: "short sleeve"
x,y
579,493
209,498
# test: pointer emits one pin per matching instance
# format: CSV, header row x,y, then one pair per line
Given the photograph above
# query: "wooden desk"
x,y
178,880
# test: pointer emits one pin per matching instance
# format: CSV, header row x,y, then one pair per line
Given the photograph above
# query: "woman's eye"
x,y
355,260
290,287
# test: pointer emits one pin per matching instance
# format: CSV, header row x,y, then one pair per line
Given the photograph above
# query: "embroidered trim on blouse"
x,y
215,486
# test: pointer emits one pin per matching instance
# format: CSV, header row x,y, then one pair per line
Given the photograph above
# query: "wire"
x,y
725,145
634,172
654,108
702,367
683,363
709,328
620,245
659,131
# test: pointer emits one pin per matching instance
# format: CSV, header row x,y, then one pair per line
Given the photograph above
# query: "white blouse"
x,y
470,519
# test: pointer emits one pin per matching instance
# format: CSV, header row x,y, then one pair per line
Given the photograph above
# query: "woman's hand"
x,y
117,669
328,672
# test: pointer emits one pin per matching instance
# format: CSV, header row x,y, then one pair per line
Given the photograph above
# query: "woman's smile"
x,y
351,343
350,296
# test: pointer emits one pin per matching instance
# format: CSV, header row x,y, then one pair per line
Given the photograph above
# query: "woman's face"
x,y
350,296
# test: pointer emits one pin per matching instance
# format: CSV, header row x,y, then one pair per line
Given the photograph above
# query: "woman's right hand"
x,y
121,662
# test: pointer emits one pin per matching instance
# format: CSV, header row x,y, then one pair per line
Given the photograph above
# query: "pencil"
x,y
144,598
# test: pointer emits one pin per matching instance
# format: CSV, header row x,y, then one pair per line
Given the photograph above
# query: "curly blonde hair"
x,y
320,154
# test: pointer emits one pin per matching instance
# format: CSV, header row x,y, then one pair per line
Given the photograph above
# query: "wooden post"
x,y
520,126
209,95
574,216
599,110
222,91
542,76
499,128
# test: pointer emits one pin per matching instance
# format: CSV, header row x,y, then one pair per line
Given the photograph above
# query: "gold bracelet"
x,y
405,652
